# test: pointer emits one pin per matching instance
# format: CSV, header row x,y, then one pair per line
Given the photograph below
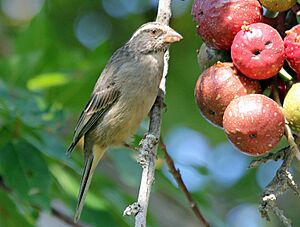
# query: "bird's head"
x,y
153,37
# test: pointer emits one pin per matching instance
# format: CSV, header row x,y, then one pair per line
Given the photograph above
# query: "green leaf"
x,y
50,145
203,170
25,172
127,167
100,218
9,213
70,184
47,80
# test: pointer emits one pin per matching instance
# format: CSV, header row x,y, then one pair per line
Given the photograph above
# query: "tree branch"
x,y
176,174
283,179
148,149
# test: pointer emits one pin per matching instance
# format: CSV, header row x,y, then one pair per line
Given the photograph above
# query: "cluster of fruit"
x,y
247,44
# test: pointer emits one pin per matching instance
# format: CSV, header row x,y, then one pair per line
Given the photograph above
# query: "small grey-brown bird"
x,y
122,97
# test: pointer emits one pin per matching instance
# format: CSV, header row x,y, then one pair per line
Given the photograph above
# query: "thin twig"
x,y
65,218
283,179
148,148
176,174
278,155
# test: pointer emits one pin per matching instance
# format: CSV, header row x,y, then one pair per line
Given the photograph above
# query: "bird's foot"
x,y
131,147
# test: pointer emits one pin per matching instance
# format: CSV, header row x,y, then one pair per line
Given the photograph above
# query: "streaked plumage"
x,y
122,97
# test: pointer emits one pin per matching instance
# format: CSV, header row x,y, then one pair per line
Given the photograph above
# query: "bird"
x,y
122,97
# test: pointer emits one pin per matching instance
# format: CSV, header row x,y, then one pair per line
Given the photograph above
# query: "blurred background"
x,y
51,53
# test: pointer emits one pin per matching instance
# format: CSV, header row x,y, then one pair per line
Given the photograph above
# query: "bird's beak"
x,y
171,36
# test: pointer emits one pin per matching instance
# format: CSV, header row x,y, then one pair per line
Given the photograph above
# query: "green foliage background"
x,y
46,76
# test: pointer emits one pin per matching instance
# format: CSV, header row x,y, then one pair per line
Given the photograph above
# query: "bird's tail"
x,y
70,149
90,165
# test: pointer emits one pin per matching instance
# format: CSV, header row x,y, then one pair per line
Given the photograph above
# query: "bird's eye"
x,y
153,32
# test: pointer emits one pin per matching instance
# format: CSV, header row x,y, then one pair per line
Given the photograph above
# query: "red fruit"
x,y
254,123
219,20
292,48
217,86
258,51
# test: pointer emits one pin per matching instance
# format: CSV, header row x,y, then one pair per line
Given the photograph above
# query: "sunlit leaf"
x,y
47,80
70,184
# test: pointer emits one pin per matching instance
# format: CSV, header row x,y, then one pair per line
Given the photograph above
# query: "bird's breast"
x,y
138,90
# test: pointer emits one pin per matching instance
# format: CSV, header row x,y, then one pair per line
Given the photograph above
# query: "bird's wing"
x,y
98,104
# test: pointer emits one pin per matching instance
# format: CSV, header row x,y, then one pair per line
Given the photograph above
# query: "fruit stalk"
x,y
176,174
283,179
